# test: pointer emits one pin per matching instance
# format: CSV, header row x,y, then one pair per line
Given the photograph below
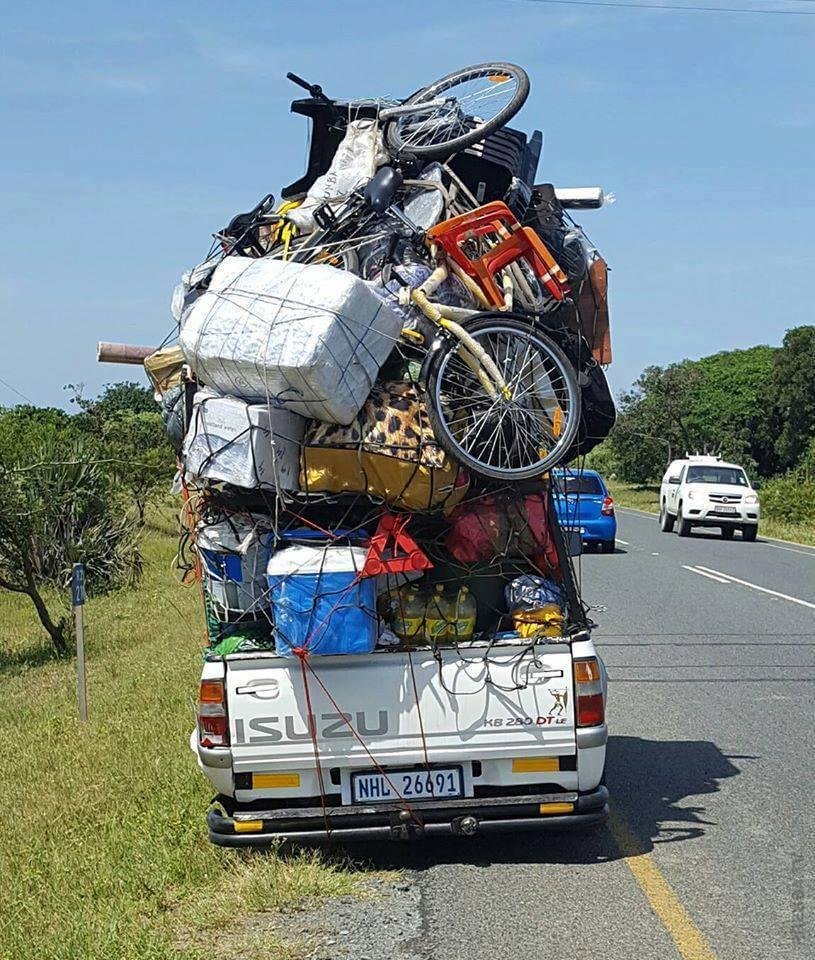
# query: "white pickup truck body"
x,y
507,735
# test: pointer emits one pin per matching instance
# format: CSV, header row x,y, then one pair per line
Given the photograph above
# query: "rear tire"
x,y
750,532
727,533
682,525
666,521
608,546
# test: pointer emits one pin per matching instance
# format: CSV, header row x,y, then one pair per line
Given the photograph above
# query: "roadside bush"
x,y
788,499
59,508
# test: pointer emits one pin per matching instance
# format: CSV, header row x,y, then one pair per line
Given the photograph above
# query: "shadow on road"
x,y
700,533
647,779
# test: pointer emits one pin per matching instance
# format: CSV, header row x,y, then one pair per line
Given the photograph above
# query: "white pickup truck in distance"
x,y
704,491
505,734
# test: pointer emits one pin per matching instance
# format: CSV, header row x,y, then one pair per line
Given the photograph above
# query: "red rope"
x,y
302,655
418,711
355,733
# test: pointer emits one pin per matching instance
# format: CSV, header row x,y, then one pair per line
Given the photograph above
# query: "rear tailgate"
x,y
366,712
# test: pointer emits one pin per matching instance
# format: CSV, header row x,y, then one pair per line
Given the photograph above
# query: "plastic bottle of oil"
x,y
407,613
461,614
436,622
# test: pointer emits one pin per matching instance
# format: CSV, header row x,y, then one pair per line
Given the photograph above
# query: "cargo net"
x,y
346,574
313,537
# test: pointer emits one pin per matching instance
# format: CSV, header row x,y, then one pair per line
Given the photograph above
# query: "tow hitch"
x,y
407,825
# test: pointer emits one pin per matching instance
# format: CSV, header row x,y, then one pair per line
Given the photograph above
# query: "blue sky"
x,y
132,131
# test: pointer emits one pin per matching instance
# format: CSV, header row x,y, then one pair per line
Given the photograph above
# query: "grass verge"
x,y
646,497
103,851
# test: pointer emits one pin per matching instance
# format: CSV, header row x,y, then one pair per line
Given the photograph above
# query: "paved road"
x,y
711,770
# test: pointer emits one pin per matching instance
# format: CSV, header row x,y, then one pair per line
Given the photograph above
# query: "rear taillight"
x,y
591,711
608,507
213,728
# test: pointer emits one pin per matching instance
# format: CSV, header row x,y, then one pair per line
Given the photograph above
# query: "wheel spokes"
x,y
514,432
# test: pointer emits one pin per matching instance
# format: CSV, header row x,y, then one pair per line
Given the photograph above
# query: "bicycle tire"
x,y
399,148
566,391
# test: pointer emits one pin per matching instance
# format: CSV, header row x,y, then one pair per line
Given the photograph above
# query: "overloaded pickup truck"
x,y
480,737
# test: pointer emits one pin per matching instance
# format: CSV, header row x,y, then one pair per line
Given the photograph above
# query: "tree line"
x,y
76,486
755,407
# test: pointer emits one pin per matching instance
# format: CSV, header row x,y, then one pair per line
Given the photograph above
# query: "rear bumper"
x,y
703,517
596,531
601,529
442,817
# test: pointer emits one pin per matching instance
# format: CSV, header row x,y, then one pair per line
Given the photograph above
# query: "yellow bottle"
x,y
461,616
435,620
408,613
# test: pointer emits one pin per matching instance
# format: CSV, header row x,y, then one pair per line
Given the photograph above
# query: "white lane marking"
x,y
755,586
625,543
778,546
703,574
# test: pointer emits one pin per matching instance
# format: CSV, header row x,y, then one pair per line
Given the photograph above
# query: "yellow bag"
x,y
164,369
388,451
546,621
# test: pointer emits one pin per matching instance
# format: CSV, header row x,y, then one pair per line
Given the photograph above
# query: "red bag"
x,y
505,525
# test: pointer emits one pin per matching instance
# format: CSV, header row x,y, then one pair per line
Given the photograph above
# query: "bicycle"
x,y
441,119
502,397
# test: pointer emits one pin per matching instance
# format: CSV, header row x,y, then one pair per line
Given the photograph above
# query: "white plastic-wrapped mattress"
x,y
307,337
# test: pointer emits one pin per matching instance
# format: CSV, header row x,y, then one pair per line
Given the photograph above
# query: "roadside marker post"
x,y
78,603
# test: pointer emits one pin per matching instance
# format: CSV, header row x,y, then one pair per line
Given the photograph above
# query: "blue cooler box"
x,y
317,601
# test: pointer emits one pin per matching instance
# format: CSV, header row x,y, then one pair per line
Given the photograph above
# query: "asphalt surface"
x,y
710,768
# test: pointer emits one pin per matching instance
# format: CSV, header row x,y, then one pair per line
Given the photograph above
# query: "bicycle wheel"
x,y
478,100
513,437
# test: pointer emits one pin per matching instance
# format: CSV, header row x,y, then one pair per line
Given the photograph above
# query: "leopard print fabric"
x,y
393,422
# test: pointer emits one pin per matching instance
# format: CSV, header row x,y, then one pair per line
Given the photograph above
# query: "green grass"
x,y
103,851
646,497
631,495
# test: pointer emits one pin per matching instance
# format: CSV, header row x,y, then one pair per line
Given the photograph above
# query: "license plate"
x,y
439,782
719,508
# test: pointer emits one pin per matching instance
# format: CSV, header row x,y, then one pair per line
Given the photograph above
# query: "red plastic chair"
x,y
513,242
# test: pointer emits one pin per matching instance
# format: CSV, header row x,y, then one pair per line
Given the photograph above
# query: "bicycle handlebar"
x,y
314,89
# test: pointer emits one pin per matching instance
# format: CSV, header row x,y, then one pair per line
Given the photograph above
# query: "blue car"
x,y
583,503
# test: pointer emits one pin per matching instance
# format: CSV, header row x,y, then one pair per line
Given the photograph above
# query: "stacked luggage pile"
x,y
374,378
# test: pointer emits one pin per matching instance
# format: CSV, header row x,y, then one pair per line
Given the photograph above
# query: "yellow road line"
x,y
689,939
